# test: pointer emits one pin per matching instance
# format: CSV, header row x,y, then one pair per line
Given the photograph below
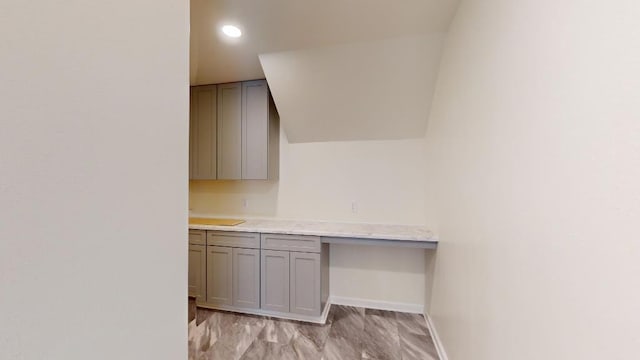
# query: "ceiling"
x,y
282,25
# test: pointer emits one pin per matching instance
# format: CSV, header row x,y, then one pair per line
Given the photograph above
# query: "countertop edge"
x,y
314,232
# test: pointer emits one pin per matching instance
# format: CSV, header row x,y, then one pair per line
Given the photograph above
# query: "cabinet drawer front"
x,y
197,237
234,239
301,243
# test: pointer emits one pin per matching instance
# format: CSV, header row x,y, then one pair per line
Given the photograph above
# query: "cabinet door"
x,y
230,131
203,133
274,284
219,275
305,283
246,278
197,271
255,130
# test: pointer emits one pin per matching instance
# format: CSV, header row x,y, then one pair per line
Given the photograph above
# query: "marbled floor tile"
x,y
412,323
193,339
418,347
203,314
215,326
347,321
305,348
235,340
266,350
344,339
316,333
351,333
279,331
191,308
340,348
382,313
199,337
381,340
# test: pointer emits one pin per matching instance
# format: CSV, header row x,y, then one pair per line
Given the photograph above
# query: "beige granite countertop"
x,y
329,229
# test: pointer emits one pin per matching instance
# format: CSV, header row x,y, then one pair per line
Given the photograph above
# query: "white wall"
x,y
319,181
93,188
535,138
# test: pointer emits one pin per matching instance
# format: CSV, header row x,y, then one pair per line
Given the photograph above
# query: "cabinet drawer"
x,y
301,243
233,239
197,237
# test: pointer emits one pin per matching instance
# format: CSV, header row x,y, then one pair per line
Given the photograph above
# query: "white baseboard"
x,y
379,305
436,339
322,319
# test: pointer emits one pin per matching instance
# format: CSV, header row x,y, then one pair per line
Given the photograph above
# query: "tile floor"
x,y
350,333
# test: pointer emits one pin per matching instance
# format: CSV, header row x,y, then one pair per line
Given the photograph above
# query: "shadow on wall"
x,y
429,268
378,258
234,197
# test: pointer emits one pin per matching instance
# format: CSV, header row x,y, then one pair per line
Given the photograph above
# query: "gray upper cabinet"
x,y
203,133
219,275
235,132
230,131
246,278
260,137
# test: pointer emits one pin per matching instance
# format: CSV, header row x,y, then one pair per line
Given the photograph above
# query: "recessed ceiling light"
x,y
231,31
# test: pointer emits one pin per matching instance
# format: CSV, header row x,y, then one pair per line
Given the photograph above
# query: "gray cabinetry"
x,y
230,131
233,269
197,264
275,280
305,283
304,243
203,133
271,274
295,274
260,134
197,271
219,275
235,132
246,278
234,239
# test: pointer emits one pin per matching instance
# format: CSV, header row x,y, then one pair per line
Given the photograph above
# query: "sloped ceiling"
x,y
359,91
338,69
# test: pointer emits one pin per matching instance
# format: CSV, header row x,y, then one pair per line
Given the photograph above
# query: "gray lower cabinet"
x,y
246,278
275,280
305,284
219,275
197,271
295,274
233,269
274,274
